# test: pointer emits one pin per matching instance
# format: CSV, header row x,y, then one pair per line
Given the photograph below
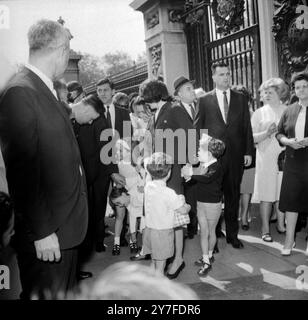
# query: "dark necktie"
x,y
226,106
193,111
108,117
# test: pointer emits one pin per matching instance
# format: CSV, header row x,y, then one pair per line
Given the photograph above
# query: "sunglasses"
x,y
121,105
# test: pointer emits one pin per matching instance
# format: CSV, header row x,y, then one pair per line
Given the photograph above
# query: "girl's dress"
x,y
135,186
268,178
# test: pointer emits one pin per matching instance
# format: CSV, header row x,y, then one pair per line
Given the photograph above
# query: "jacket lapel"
x,y
161,113
187,115
232,108
293,120
216,107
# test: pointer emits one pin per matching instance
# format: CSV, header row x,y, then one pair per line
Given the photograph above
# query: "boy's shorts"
x,y
158,243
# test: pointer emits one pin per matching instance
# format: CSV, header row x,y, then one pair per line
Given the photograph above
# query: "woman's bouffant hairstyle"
x,y
215,146
154,91
279,85
95,102
299,77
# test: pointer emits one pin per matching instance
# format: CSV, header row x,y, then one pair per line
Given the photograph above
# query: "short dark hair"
x,y
159,165
104,81
216,147
6,213
153,91
299,77
74,86
220,64
95,102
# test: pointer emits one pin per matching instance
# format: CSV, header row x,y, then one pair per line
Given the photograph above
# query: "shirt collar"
x,y
111,107
41,75
221,92
187,105
206,165
159,182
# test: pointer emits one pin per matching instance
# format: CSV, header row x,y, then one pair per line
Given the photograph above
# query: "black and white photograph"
x,y
153,150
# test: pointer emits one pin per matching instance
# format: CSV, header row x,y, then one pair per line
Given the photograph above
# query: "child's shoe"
x,y
116,250
204,269
133,247
199,262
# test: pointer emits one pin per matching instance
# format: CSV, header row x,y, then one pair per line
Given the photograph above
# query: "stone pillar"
x,y
72,70
269,52
165,39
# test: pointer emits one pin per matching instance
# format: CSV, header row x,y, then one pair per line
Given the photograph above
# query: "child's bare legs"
x,y
212,223
204,233
133,228
120,214
159,265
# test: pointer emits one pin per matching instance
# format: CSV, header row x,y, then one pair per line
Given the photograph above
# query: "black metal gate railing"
x,y
240,49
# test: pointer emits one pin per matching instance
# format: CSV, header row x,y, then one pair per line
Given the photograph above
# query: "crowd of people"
x,y
68,155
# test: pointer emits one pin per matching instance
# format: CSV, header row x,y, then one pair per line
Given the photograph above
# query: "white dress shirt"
x,y
43,77
157,113
220,98
300,124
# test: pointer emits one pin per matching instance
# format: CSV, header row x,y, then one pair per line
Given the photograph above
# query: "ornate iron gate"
x,y
229,33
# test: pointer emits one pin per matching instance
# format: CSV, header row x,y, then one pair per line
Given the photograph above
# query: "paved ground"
x,y
256,272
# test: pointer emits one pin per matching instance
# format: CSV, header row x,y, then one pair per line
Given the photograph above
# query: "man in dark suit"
x,y
113,118
182,117
44,171
225,114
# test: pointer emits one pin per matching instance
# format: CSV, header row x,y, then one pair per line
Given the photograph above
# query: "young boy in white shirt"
x,y
161,202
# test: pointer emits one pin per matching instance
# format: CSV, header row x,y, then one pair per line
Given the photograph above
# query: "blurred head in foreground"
x,y
130,281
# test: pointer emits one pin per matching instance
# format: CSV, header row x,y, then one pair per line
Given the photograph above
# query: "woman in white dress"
x,y
268,179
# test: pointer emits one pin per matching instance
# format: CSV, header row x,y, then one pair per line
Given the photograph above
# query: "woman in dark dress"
x,y
293,133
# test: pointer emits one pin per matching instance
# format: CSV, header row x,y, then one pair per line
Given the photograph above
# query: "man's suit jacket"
x,y
179,118
165,121
44,171
89,135
236,133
